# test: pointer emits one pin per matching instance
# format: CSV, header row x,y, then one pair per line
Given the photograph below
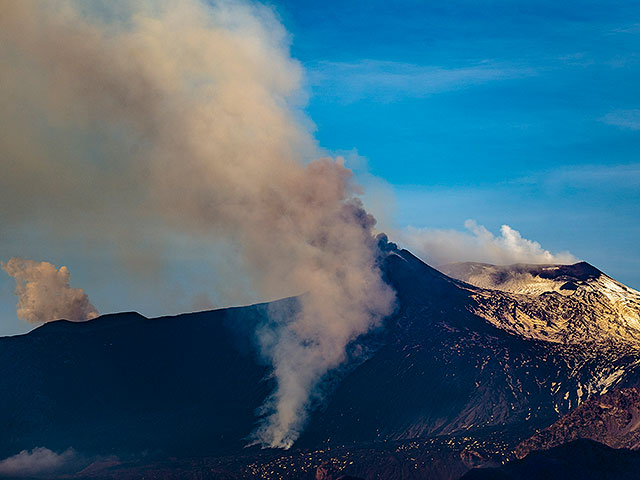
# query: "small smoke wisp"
x,y
44,293
477,244
190,110
37,462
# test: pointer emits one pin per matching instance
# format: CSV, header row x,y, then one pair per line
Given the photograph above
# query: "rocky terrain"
x,y
612,419
583,459
566,304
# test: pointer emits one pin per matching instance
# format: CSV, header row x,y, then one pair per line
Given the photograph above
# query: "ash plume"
x,y
190,111
44,293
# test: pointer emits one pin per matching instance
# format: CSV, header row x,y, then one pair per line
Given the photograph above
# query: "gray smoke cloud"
x,y
44,293
477,244
36,462
41,462
123,116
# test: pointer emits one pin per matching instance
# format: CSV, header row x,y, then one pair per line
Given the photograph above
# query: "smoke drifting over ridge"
x,y
44,293
477,244
189,115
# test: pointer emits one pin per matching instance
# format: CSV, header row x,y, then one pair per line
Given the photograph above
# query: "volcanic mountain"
x,y
456,377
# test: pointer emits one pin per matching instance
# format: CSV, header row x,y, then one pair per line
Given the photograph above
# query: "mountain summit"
x,y
569,304
525,278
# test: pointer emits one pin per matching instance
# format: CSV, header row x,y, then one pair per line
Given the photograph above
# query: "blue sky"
x,y
516,112
504,112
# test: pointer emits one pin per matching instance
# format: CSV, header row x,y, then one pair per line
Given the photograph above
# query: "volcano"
x,y
464,370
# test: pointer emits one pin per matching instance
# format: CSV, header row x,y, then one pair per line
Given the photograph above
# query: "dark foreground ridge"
x,y
583,459
612,419
439,390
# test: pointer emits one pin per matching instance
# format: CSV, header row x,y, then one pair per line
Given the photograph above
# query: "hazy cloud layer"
x,y
477,244
388,81
44,293
627,119
604,177
122,117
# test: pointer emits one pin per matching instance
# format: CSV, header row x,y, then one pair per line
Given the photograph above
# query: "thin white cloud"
x,y
351,81
632,28
601,176
627,119
477,244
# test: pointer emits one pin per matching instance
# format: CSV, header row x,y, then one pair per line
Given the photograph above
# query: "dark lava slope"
x,y
612,419
127,384
580,459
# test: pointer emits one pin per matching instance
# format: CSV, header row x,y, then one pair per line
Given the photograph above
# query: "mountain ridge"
x,y
534,301
191,384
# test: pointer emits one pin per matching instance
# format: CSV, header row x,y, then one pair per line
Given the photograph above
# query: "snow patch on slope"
x,y
569,304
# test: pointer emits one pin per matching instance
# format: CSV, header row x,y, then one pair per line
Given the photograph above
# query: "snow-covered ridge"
x,y
524,278
568,304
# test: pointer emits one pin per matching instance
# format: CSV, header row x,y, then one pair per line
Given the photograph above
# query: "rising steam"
x,y
477,244
190,113
44,293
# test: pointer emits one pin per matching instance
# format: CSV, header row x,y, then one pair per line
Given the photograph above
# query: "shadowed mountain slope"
x,y
612,419
124,383
583,459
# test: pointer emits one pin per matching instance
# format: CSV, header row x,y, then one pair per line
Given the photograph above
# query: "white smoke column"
x,y
477,244
202,96
44,293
